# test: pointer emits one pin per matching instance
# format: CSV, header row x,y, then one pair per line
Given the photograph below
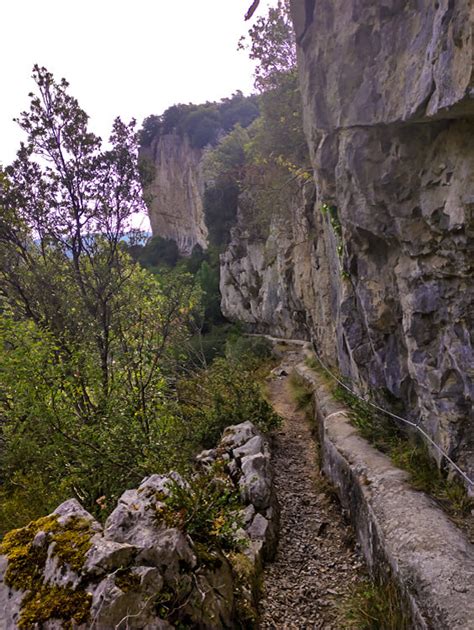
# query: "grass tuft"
x,y
375,605
407,452
302,394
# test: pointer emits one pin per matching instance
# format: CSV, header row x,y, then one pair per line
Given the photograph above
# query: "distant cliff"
x,y
174,196
172,148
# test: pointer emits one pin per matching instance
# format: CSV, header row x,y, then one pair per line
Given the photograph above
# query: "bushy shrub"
x,y
239,347
206,508
227,393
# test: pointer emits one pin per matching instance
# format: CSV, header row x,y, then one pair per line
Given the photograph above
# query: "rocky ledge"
x,y
143,568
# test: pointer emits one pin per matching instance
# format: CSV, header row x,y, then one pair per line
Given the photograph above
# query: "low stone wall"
x,y
67,569
401,531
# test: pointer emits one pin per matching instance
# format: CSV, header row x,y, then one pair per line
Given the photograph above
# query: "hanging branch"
x,y
252,9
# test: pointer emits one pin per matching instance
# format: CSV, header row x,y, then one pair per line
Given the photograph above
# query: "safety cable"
x,y
397,417
410,423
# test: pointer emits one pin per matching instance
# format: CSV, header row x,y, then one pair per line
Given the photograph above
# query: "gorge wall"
x,y
374,259
174,194
375,264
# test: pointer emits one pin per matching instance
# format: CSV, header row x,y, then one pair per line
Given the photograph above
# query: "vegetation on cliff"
x,y
202,124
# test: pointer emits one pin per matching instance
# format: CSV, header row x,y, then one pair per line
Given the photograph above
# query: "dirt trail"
x,y
317,563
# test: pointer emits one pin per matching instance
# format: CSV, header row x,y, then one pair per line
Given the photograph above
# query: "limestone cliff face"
x,y
378,267
174,197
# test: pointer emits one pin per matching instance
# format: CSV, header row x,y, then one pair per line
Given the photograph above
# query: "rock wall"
x,y
266,282
175,195
378,268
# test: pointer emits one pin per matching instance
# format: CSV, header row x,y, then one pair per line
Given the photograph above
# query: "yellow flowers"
x,y
218,524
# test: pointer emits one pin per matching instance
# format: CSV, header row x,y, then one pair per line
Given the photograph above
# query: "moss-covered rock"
x,y
28,551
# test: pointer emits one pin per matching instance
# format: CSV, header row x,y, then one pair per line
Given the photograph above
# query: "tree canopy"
x,y
202,124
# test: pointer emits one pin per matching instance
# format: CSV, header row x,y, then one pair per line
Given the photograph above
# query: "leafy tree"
x,y
203,124
151,128
224,168
238,110
277,160
273,45
58,429
75,201
88,338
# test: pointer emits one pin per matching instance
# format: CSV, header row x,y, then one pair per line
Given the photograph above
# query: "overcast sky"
x,y
127,58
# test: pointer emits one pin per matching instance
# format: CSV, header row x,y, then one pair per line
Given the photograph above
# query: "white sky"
x,y
122,58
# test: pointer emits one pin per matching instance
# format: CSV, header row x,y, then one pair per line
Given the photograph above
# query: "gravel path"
x,y
317,563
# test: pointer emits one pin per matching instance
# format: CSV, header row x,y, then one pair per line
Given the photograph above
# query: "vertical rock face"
x,y
379,270
175,195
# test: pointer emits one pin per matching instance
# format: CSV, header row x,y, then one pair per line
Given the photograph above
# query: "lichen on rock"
x,y
30,549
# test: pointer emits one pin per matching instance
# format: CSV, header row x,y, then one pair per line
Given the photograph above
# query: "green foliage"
x,y
202,124
226,160
276,155
241,348
158,251
223,168
379,430
226,393
220,204
206,508
95,348
205,347
88,339
207,278
272,45
58,417
331,212
413,456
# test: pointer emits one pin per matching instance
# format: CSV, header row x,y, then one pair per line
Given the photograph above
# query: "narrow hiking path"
x,y
316,564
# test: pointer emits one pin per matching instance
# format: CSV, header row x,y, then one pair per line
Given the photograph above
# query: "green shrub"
x,y
227,393
240,347
206,508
